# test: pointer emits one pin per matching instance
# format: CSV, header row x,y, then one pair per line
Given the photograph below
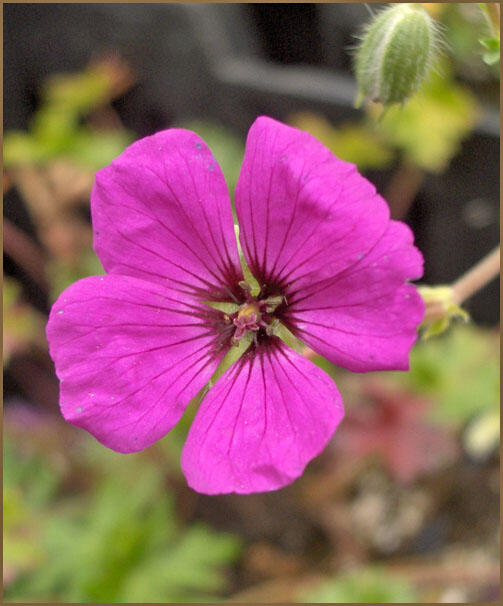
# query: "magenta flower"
x,y
133,347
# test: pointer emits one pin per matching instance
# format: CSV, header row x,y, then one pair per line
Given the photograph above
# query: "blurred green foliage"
x,y
62,275
491,44
445,110
367,585
464,27
459,371
356,143
119,542
461,374
429,128
227,148
22,324
57,129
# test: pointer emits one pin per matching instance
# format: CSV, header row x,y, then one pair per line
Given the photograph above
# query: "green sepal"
x,y
288,337
248,276
442,298
226,308
233,355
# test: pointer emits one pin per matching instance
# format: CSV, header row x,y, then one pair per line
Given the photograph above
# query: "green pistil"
x,y
250,283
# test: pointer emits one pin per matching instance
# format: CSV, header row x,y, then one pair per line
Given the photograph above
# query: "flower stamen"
x,y
248,318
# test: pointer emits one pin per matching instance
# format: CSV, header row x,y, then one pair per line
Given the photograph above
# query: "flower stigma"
x,y
248,318
253,315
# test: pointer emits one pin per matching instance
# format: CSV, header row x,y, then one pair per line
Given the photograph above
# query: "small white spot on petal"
x,y
60,311
79,409
91,395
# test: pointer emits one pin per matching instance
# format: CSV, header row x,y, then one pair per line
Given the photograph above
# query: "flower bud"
x,y
441,308
395,54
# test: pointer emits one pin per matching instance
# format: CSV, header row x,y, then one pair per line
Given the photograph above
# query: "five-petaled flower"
x,y
133,347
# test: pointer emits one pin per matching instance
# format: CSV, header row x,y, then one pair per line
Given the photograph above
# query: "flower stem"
x,y
403,188
477,277
492,12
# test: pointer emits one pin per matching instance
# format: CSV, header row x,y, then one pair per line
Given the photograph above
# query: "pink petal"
x,y
366,317
263,421
304,215
130,355
161,212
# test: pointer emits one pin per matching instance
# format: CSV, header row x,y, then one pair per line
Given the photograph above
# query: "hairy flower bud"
x,y
395,54
441,308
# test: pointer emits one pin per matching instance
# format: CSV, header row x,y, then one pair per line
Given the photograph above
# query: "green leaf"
x,y
55,129
368,585
95,150
23,325
21,148
119,541
78,93
61,275
492,46
356,143
459,371
227,147
188,571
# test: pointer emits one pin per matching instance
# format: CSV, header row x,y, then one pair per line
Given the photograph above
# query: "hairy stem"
x,y
492,11
463,288
477,277
403,188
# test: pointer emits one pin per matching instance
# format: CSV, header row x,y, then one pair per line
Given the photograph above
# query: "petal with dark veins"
x,y
130,355
263,421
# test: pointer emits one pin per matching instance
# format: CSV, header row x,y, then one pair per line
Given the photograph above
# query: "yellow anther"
x,y
247,310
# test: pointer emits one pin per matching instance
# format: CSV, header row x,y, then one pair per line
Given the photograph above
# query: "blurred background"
x,y
403,504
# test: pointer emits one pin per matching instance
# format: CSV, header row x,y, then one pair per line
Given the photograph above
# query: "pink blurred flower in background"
x,y
134,346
